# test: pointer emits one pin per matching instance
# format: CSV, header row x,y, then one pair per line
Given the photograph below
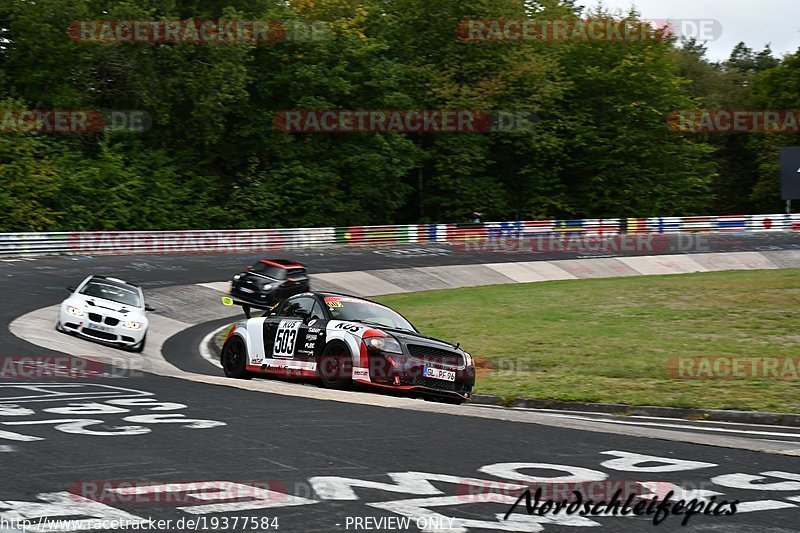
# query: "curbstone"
x,y
487,399
532,403
714,415
746,417
666,412
214,347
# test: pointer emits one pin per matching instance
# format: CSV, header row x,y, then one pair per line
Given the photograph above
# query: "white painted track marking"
x,y
205,352
682,426
610,416
221,286
48,392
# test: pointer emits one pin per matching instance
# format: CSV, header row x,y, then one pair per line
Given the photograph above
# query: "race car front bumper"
x,y
106,328
253,295
404,372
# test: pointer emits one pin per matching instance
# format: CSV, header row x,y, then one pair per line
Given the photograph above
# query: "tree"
x,y
621,159
776,88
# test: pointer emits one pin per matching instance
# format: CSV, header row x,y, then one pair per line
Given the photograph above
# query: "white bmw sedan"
x,y
108,310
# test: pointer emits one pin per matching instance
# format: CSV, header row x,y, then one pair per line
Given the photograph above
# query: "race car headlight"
x,y
384,344
74,310
130,324
236,277
266,287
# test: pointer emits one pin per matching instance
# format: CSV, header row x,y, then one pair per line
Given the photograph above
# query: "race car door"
x,y
285,333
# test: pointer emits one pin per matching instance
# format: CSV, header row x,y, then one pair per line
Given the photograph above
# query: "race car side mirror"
x,y
149,308
70,289
249,267
305,314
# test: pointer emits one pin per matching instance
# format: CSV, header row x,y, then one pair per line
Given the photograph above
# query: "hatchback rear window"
x,y
269,270
297,272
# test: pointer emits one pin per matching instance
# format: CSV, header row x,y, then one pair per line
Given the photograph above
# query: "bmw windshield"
x,y
112,291
355,310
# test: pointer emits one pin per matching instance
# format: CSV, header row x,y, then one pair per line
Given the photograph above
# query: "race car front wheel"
x,y
234,359
335,367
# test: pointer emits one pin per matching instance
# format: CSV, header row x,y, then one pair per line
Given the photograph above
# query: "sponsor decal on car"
x,y
352,328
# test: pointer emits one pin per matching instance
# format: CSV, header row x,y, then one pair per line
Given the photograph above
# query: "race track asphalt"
x,y
297,459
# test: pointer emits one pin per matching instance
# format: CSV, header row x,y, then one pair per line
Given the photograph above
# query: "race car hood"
x,y
406,337
103,304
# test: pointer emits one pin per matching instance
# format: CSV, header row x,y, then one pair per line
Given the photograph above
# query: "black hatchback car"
x,y
269,281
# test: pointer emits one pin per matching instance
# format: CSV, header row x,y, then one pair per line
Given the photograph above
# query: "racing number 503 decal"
x,y
285,338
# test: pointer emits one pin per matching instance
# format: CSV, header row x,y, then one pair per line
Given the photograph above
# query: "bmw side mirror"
x,y
305,314
149,308
70,289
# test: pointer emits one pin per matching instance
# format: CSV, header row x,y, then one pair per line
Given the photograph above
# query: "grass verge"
x,y
222,334
610,340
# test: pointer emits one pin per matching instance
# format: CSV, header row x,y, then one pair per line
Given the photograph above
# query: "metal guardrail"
x,y
715,224
272,240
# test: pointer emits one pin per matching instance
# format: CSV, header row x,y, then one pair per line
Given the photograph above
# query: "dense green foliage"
x,y
213,159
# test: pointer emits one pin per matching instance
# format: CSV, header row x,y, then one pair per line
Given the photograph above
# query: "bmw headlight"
x,y
130,324
74,310
266,287
384,344
236,277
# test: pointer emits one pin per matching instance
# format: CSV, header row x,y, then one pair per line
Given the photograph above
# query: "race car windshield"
x,y
367,312
115,293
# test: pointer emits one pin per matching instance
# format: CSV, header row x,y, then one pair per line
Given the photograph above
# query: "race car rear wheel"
x,y
234,359
335,367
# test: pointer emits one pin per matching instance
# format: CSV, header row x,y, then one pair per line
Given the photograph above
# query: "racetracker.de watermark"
x,y
479,489
197,31
702,30
586,30
403,121
68,367
785,121
175,242
125,492
734,367
72,120
586,244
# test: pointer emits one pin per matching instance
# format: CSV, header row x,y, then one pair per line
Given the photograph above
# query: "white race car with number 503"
x,y
340,340
108,310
